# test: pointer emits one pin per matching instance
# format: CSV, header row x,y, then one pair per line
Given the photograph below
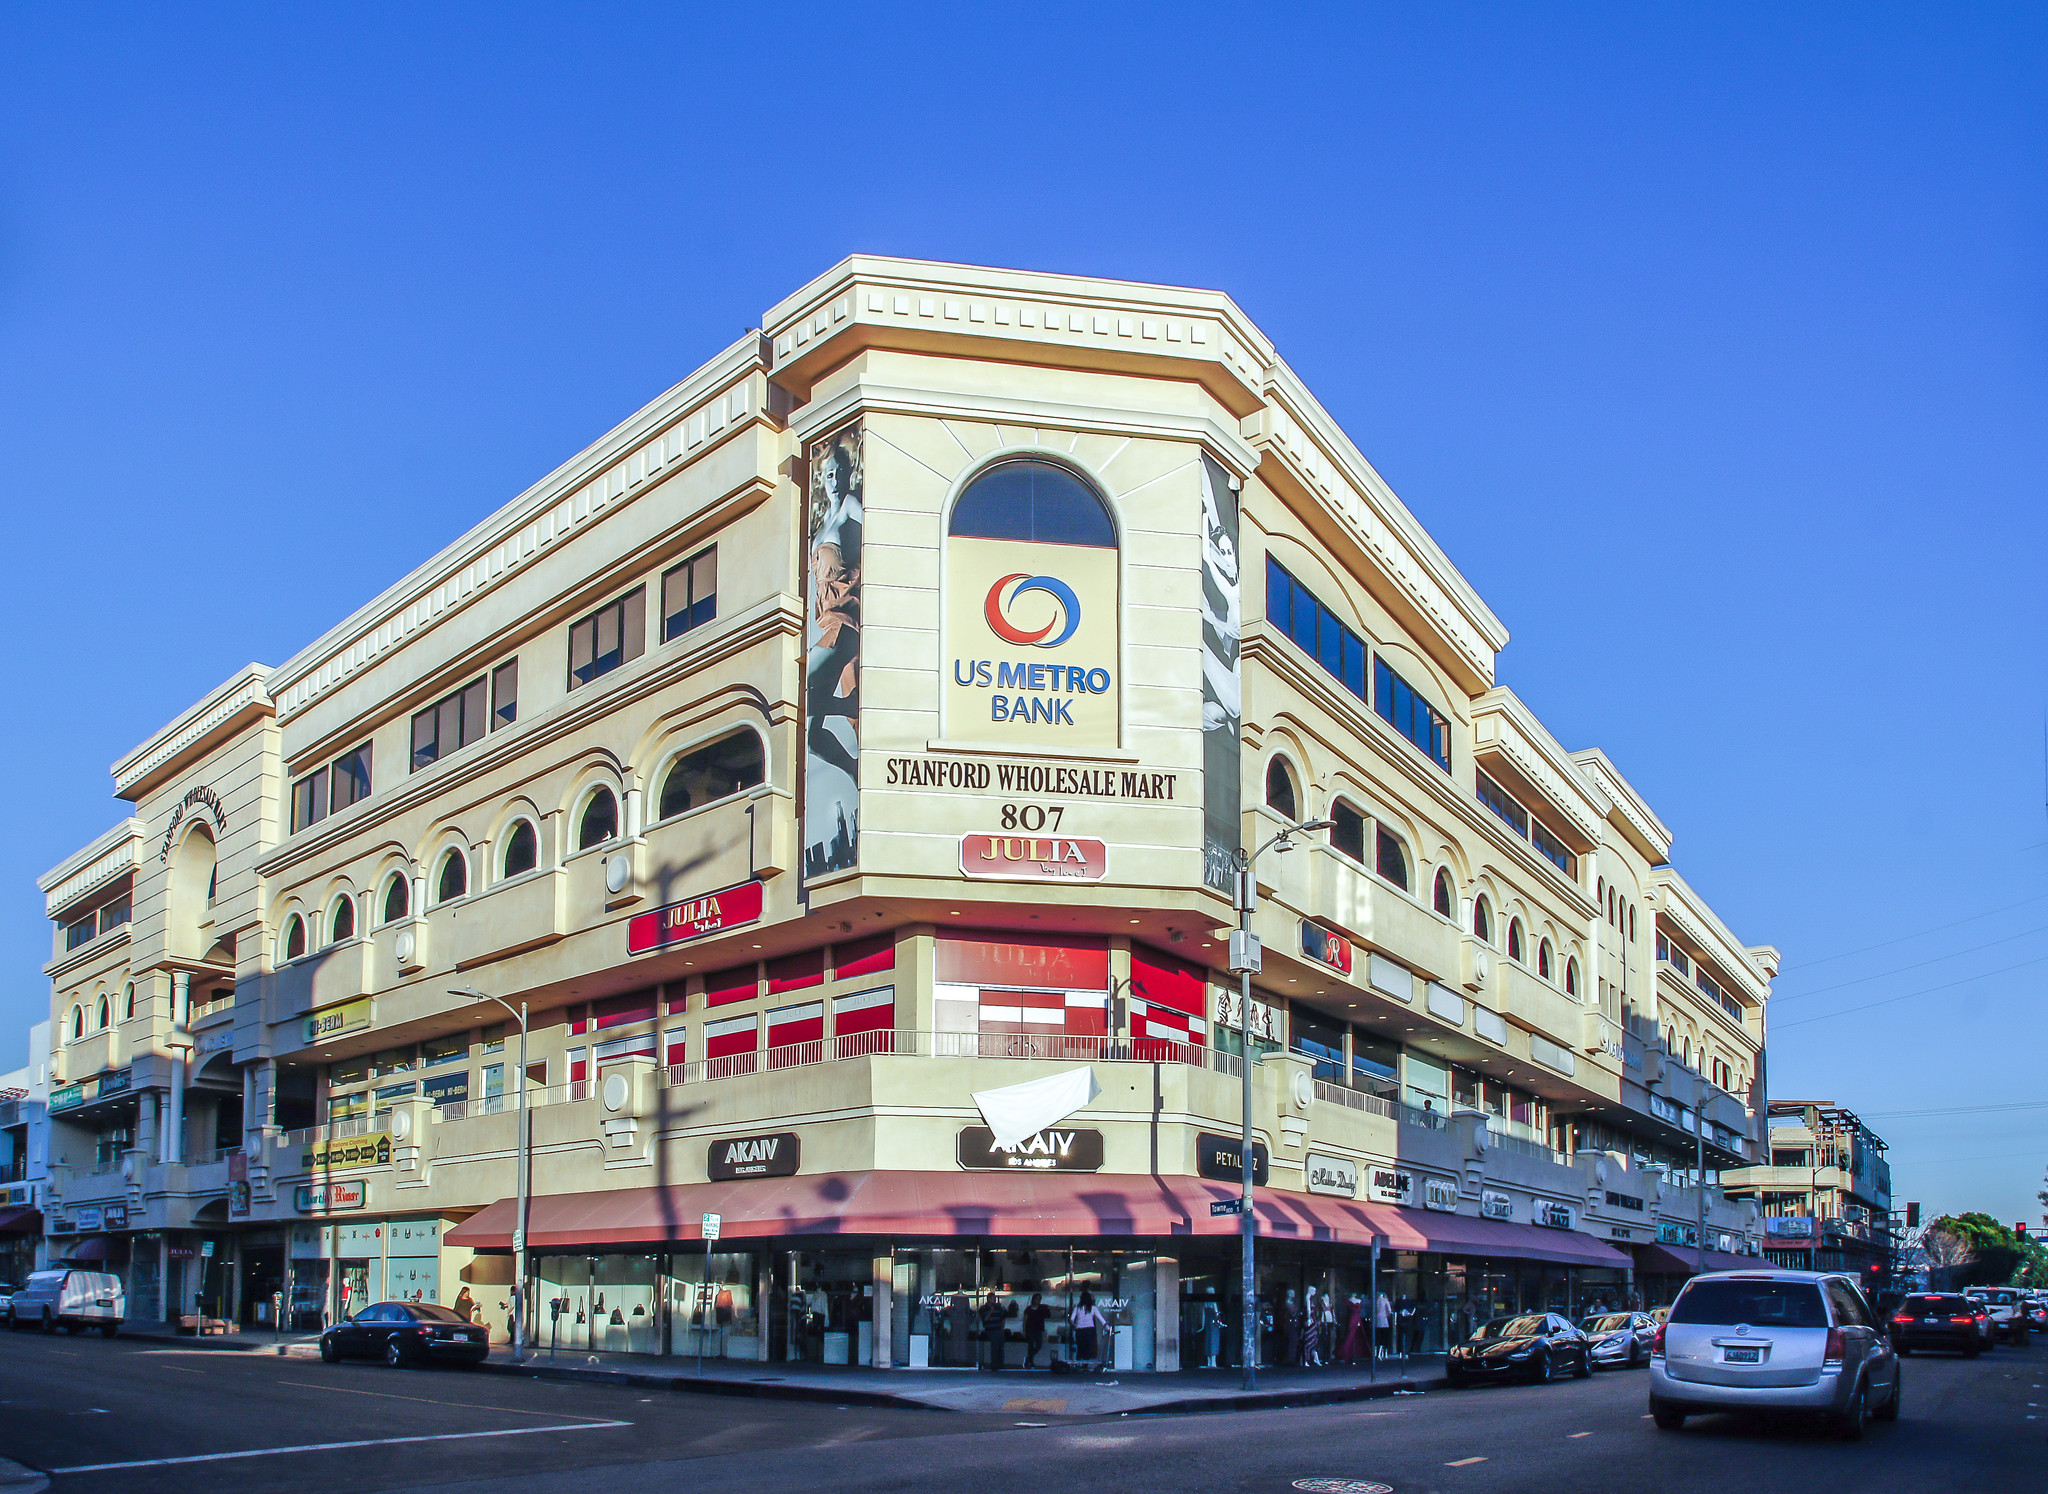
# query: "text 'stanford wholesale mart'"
x,y
869,723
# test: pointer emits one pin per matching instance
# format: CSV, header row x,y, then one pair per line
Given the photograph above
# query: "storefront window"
x,y
829,1306
712,1310
603,1303
947,1292
1375,1064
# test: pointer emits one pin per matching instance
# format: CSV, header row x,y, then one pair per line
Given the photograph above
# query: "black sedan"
x,y
1938,1320
402,1333
1619,1338
1535,1346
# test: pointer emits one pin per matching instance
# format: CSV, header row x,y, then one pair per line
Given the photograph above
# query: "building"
x,y
870,723
24,1159
1826,1193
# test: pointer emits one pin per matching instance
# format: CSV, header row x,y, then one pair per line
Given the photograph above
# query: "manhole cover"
x,y
1342,1486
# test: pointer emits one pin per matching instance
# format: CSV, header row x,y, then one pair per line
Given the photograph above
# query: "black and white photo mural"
x,y
1222,686
831,810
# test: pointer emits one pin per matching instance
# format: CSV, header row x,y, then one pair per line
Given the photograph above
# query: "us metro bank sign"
x,y
1034,652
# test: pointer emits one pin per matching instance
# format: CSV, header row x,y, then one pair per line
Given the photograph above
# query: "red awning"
x,y
1458,1234
1022,1204
1678,1260
92,1249
21,1221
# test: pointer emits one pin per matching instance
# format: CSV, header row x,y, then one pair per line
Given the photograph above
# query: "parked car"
x,y
2004,1304
402,1333
2037,1312
1938,1320
1987,1326
1774,1341
70,1299
1619,1338
1531,1345
6,1299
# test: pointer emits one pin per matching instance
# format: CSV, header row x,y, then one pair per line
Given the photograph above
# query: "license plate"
x,y
1744,1356
1930,1322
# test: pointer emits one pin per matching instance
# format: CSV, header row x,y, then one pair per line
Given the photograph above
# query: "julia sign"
x,y
1033,858
695,918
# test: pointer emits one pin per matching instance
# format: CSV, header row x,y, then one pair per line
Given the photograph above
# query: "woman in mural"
x,y
832,656
1222,690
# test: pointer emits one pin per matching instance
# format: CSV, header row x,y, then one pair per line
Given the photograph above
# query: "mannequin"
x,y
1354,1346
1290,1329
1212,1334
1326,1330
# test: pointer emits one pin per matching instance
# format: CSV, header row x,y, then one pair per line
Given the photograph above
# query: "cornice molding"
x,y
112,854
247,690
1634,810
1502,723
712,405
1677,901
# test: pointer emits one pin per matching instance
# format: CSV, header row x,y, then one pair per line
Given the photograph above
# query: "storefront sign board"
x,y
695,918
772,1156
321,1198
1493,1204
1033,858
114,1216
1391,1185
1325,947
1229,1006
335,1020
373,1150
1055,1149
89,1219
1222,1158
1440,1194
1337,1176
1552,1215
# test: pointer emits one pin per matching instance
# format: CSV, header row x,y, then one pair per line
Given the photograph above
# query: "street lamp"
x,y
1244,959
525,1170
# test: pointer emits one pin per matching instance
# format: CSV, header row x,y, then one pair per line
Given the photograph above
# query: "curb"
x,y
15,1478
1281,1400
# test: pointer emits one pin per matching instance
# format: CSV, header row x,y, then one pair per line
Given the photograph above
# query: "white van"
x,y
69,1299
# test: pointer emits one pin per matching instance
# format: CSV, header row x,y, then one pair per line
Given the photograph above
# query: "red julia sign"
x,y
695,918
1033,858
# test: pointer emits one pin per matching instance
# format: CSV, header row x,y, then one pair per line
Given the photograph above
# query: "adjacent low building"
x,y
872,722
1825,1191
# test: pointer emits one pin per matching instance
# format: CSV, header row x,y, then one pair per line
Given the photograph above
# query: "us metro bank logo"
x,y
1027,692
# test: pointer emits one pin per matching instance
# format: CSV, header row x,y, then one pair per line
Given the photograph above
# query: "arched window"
x,y
1514,938
1390,860
1443,892
1571,977
1347,830
294,937
77,1023
522,849
1599,888
1280,791
714,771
129,1002
454,877
600,820
1035,501
1482,920
1631,923
343,924
1543,959
106,1014
397,897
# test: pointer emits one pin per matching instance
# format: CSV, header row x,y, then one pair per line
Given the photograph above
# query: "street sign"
x,y
712,1224
205,1248
1223,1206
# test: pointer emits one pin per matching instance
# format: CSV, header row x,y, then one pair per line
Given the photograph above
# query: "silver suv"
x,y
1774,1341
2008,1311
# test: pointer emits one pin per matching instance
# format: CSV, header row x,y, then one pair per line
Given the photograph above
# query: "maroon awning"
x,y
1679,1260
92,1249
1459,1234
19,1221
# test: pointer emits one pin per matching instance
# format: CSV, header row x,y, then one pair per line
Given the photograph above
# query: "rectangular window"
x,y
634,1006
1497,799
803,1023
796,972
494,1038
331,789
673,1046
864,957
1409,713
864,1011
394,1061
451,1049
613,635
113,915
1294,610
1348,834
80,932
723,987
1320,1039
351,1071
689,594
733,1035
505,694
455,720
1553,849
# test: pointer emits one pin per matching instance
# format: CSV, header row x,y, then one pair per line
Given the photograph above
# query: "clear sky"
x,y
1710,344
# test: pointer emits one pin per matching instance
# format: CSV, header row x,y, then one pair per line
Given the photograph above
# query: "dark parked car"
x,y
1937,1320
401,1333
1619,1338
1529,1345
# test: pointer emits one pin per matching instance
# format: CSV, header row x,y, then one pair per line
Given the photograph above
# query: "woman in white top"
x,y
1087,1320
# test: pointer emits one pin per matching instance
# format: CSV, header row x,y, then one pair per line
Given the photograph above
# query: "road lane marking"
x,y
1582,1434
427,1400
1464,1462
269,1452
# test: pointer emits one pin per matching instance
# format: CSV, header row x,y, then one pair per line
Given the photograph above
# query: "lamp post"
x,y
1244,959
525,1172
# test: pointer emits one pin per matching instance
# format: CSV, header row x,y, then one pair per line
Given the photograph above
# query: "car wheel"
x,y
1635,1355
329,1354
1973,1350
1584,1369
49,1323
1541,1371
1849,1425
396,1354
108,1330
1889,1411
1456,1381
1668,1420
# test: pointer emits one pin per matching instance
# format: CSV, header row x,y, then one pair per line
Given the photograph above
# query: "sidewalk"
x,y
252,1341
1013,1392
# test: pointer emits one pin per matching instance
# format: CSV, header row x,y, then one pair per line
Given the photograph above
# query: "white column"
x,y
174,1124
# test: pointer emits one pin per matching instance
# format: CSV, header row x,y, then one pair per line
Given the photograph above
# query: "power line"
x,y
1957,1110
1924,991
1862,980
1906,938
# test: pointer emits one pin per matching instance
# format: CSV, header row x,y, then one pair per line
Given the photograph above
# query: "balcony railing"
x,y
202,1010
1522,1146
1380,1105
902,1042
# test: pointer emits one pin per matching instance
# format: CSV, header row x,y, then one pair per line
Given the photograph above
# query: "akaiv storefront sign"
x,y
1055,1149
772,1156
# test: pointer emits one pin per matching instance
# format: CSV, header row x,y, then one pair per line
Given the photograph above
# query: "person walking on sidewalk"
x,y
1034,1330
1088,1324
992,1330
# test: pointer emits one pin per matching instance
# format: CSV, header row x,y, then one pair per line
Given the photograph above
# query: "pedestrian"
x,y
465,1305
992,1330
1034,1329
1087,1324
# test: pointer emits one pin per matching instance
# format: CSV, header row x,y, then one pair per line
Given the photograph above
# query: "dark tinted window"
x,y
1295,611
1348,833
1039,501
1776,1304
1526,1326
1614,1322
428,1312
716,771
1925,1306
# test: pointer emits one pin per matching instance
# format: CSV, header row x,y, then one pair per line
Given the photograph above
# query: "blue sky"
x,y
1710,344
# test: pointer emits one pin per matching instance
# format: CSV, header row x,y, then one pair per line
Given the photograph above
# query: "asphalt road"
x,y
139,1415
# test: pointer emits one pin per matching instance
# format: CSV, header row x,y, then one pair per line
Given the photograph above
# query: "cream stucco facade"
x,y
859,726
